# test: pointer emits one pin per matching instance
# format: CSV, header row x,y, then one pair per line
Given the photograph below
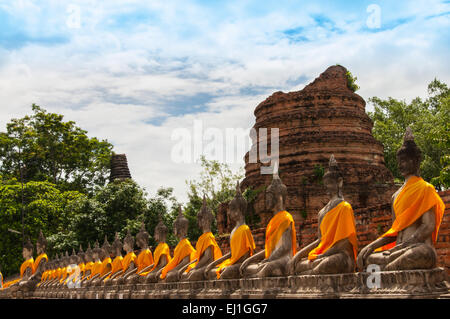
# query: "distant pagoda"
x,y
119,167
324,118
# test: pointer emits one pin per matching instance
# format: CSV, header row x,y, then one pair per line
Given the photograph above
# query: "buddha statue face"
x,y
142,237
41,244
181,225
27,253
128,242
333,185
409,155
160,232
205,217
237,207
407,165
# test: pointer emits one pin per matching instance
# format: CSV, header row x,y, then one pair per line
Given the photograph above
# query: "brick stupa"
x,y
324,118
119,167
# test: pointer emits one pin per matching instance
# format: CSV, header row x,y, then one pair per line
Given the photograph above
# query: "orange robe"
x,y
88,267
96,269
104,268
115,266
25,265
127,260
241,242
204,241
82,273
38,260
144,259
183,249
337,224
416,198
161,250
275,229
64,274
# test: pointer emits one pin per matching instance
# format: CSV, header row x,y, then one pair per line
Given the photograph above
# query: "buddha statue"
x,y
242,244
64,270
71,267
417,212
51,277
106,267
81,265
145,257
26,269
96,268
335,249
38,265
206,249
161,255
129,263
88,265
280,242
116,265
183,254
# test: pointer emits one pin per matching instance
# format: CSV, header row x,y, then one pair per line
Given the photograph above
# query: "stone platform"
x,y
422,284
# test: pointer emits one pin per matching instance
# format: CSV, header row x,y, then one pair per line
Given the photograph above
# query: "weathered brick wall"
x,y
371,222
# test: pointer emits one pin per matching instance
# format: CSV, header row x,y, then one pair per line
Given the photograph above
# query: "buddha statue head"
x,y
88,255
142,237
106,249
238,206
66,259
117,246
81,255
276,193
409,155
332,179
128,242
96,252
205,217
73,258
160,231
41,243
27,251
180,225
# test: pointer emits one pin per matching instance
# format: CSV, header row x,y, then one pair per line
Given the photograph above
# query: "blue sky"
x,y
133,71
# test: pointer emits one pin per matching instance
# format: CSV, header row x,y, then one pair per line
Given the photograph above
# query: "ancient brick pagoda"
x,y
119,167
324,118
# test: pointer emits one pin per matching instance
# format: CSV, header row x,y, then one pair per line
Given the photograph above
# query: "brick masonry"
x,y
371,222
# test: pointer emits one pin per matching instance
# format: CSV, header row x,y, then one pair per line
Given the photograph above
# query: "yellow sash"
x,y
337,224
88,267
416,198
128,259
144,259
38,260
241,242
275,229
115,266
96,269
161,250
104,269
183,249
203,242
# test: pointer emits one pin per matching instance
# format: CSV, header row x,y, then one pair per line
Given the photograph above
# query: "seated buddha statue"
x,y
242,244
334,250
280,241
81,265
161,255
129,263
105,257
88,264
144,258
26,269
96,268
116,265
417,212
65,262
38,265
206,248
183,253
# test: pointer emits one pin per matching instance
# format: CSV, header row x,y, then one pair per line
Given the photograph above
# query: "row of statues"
x,y
417,211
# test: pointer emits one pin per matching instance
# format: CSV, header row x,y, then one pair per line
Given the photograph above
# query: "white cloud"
x,y
116,82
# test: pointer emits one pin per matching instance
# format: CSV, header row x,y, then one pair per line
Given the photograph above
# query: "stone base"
x,y
392,284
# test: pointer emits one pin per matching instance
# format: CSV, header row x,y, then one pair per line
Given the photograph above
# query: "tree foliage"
x,y
44,207
430,121
45,148
218,183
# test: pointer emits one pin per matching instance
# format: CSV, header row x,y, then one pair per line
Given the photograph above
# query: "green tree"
x,y
430,121
44,206
218,183
49,149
